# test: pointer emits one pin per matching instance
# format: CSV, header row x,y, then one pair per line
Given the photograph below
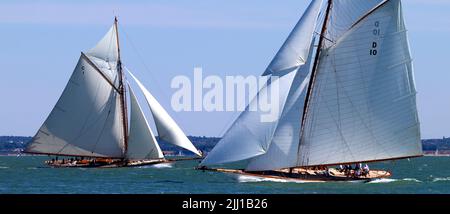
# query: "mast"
x,y
314,70
122,92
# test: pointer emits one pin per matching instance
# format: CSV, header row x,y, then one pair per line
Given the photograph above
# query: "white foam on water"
x,y
382,180
390,180
161,165
441,179
4,167
252,179
412,180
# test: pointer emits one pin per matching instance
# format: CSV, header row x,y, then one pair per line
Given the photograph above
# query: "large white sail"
x,y
295,49
363,104
283,151
248,137
141,141
168,130
86,120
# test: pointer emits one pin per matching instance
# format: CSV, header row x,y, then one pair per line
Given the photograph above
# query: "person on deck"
x,y
359,171
348,170
366,170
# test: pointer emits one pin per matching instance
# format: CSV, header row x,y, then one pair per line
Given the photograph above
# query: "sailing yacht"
x,y
347,95
92,123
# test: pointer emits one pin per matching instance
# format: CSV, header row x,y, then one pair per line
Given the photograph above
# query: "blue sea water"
x,y
28,174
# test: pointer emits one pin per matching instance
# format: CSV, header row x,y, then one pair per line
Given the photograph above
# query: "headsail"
x,y
86,119
283,152
363,106
168,130
248,137
141,141
295,49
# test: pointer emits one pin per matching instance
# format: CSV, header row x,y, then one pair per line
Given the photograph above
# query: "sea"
x,y
29,175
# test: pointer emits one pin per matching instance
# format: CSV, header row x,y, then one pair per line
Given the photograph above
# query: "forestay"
x,y
363,106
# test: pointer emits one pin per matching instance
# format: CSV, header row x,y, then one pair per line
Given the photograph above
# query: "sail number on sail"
x,y
376,32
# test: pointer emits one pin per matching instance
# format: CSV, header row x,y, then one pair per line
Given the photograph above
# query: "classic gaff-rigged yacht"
x,y
347,95
89,123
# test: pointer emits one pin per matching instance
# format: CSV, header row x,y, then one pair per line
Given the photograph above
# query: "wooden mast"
x,y
122,92
314,70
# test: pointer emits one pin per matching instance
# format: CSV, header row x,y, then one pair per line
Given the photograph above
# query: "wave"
x,y
4,167
390,180
441,179
252,179
412,179
382,180
158,166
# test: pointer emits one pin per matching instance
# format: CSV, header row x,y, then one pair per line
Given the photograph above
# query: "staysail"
x,y
86,120
363,105
282,152
249,137
168,130
141,141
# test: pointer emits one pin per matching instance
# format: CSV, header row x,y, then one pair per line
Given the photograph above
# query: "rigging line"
x,y
234,118
326,38
146,68
368,13
100,72
313,72
231,120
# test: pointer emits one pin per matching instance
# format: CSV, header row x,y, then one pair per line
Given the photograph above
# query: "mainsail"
x,y
361,100
86,120
363,105
141,141
168,130
248,133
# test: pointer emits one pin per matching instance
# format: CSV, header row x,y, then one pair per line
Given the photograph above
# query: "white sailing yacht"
x,y
347,95
90,119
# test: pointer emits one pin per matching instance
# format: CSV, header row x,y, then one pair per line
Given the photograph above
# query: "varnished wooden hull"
x,y
302,175
111,164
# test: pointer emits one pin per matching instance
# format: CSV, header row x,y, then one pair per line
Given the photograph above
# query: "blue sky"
x,y
41,42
